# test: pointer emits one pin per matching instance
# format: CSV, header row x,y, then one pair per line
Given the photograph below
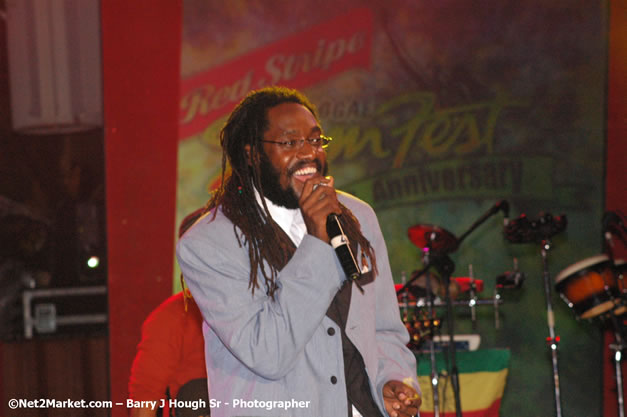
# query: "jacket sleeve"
x,y
265,335
395,359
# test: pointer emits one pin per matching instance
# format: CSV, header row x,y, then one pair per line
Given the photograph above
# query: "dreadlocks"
x,y
266,240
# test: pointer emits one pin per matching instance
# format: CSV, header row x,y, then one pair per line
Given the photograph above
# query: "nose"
x,y
307,150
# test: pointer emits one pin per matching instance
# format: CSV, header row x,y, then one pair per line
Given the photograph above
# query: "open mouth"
x,y
303,174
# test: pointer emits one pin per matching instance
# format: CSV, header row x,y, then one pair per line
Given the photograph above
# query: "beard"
x,y
270,180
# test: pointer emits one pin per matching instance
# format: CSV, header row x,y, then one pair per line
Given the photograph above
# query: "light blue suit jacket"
x,y
265,355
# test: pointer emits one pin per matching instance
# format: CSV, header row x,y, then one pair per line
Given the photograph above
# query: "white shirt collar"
x,y
290,220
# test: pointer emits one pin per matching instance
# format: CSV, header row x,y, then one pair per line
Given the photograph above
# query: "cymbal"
x,y
433,237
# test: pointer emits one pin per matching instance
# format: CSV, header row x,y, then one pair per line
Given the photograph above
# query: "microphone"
x,y
342,248
503,205
613,225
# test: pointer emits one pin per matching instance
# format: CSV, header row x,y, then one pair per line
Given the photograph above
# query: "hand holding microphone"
x,y
317,201
319,204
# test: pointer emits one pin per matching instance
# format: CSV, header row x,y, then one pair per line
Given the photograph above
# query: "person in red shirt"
x,y
170,354
170,357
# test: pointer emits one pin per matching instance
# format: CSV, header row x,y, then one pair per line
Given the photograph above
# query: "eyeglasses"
x,y
320,142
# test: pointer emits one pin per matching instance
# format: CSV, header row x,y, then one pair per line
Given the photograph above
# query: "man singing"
x,y
286,332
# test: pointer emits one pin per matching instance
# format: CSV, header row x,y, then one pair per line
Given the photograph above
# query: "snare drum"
x,y
589,286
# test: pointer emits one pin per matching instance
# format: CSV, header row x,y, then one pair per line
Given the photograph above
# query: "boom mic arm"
x,y
501,205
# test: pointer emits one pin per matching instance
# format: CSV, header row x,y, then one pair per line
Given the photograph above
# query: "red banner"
x,y
297,61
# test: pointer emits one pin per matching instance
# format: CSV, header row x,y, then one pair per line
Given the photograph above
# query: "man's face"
x,y
284,171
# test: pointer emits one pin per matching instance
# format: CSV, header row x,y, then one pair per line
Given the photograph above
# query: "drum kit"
x,y
593,288
433,287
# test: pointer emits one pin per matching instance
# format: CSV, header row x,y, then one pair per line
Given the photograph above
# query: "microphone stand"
x,y
445,267
613,226
435,377
430,309
524,231
553,339
618,348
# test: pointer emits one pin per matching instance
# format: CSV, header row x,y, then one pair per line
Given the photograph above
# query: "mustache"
x,y
302,164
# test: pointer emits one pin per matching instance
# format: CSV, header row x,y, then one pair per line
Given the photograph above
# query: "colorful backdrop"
x,y
437,111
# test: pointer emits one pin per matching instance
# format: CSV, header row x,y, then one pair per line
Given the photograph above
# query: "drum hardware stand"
x,y
463,303
473,299
523,230
497,299
509,280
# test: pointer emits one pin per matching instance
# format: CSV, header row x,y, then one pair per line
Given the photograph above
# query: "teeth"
x,y
306,171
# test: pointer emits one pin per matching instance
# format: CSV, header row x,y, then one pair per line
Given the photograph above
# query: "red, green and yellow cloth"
x,y
482,377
